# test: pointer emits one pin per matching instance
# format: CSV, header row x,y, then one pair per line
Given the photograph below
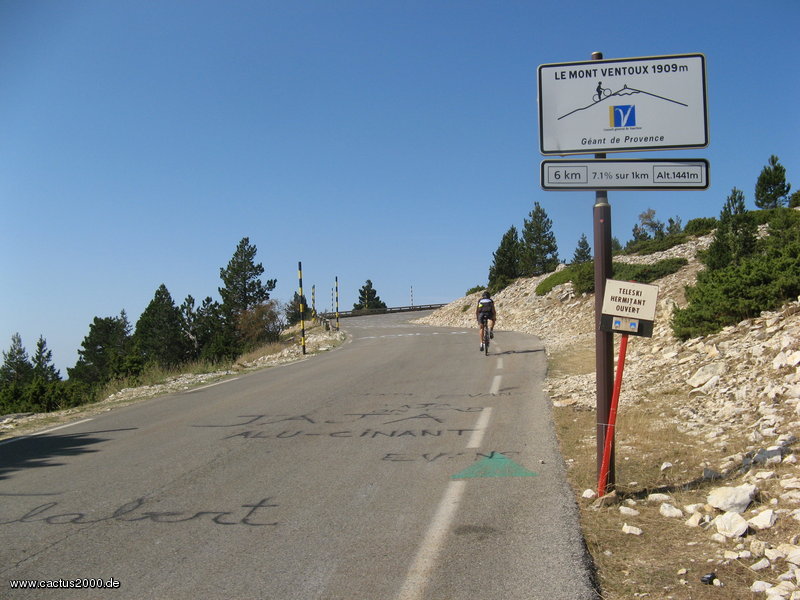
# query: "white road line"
x,y
419,573
495,384
210,385
45,432
499,363
480,428
428,553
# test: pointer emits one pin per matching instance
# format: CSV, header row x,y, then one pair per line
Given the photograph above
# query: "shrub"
x,y
651,246
700,226
648,273
582,276
477,288
500,283
741,290
562,276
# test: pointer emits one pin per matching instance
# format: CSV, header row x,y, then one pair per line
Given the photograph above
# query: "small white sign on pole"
x,y
629,307
654,103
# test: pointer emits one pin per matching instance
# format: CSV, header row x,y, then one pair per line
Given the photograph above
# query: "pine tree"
x,y
674,226
104,351
243,288
771,187
292,311
583,253
505,267
735,237
159,338
539,253
794,200
189,327
43,367
368,298
17,367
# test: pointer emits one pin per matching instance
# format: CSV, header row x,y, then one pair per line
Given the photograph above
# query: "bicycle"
x,y
606,94
486,333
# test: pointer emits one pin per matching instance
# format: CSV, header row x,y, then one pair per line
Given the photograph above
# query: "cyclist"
x,y
599,91
486,312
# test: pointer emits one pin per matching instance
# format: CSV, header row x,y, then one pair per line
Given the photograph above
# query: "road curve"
x,y
403,466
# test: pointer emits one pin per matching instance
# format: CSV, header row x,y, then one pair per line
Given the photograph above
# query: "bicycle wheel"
x,y
486,338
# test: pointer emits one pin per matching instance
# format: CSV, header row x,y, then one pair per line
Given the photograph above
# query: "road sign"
x,y
629,307
653,103
625,174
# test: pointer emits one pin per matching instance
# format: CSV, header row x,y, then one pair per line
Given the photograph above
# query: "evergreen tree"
x,y
638,234
539,251
104,351
674,226
159,336
189,327
583,253
368,298
794,200
243,288
505,267
215,336
292,311
17,367
735,237
771,187
43,367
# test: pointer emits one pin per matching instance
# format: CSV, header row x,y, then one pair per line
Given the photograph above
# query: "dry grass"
x,y
651,565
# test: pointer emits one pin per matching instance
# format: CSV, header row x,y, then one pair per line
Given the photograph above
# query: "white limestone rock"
x,y
631,530
731,525
658,498
704,374
760,565
759,587
669,511
694,520
763,520
732,499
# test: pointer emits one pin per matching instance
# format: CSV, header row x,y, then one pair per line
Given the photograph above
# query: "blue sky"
x,y
391,141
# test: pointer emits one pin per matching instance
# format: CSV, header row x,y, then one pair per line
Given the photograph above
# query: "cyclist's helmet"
x,y
486,295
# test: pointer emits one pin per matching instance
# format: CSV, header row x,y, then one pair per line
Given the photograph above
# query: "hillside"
x,y
733,398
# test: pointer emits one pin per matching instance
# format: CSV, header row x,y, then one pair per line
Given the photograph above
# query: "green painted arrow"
x,y
494,465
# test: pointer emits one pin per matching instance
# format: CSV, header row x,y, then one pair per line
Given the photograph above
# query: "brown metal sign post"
x,y
604,341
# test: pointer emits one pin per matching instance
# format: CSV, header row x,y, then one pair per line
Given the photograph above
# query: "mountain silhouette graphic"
x,y
625,91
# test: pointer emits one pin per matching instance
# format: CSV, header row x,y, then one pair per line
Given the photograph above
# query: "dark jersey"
x,y
486,308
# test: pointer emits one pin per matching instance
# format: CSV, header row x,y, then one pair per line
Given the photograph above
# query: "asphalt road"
x,y
404,465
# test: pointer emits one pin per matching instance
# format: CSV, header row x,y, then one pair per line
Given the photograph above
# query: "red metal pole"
x,y
602,481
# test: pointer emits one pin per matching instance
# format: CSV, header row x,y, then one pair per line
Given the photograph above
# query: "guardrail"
x,y
379,311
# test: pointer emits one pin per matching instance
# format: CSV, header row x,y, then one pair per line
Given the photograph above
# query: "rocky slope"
x,y
742,383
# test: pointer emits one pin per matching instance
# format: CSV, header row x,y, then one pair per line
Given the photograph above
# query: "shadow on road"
x,y
46,450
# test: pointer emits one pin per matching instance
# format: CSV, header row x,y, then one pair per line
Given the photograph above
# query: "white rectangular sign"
x,y
625,174
654,103
633,300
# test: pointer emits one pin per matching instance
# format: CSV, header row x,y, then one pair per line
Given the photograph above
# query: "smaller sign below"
x,y
625,174
625,325
629,308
